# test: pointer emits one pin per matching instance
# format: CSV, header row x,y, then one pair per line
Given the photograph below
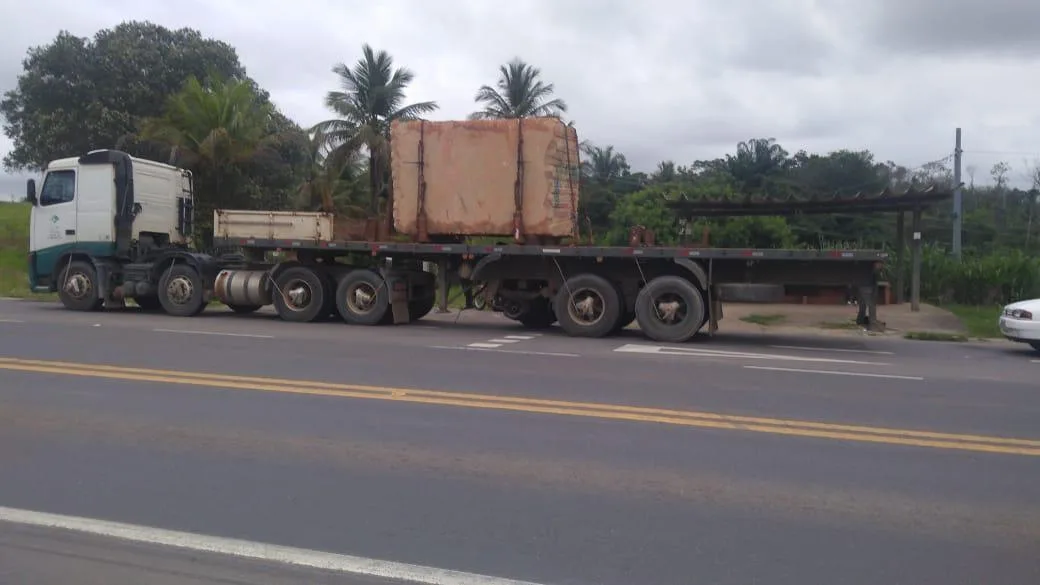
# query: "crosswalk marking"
x,y
497,342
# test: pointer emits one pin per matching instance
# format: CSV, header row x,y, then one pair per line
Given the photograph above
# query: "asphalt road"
x,y
480,447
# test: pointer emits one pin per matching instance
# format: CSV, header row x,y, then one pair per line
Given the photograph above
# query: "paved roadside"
x,y
49,556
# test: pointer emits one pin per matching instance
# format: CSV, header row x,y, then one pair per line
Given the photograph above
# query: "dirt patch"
x,y
835,319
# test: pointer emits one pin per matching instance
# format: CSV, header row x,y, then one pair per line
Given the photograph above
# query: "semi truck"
x,y
107,226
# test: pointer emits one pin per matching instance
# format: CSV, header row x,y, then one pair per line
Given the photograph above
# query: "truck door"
x,y
54,221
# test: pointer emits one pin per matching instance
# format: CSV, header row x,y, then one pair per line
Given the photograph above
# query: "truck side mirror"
x,y
30,191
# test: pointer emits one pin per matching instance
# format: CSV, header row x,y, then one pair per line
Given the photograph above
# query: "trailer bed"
x,y
567,251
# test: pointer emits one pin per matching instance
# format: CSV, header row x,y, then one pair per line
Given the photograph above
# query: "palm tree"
x,y
604,165
519,94
372,95
213,127
331,182
757,162
212,124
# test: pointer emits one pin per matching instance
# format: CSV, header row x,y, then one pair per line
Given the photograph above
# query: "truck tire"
x,y
670,309
181,291
78,287
363,299
300,295
588,305
625,316
244,309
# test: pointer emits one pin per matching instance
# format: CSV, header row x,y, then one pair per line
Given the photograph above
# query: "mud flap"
x,y
398,288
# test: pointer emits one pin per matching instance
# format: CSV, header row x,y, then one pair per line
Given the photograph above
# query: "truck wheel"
x,y
181,291
588,305
539,315
625,316
79,287
244,309
670,309
362,298
300,295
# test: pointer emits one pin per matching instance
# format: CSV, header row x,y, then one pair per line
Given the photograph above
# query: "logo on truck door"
x,y
54,231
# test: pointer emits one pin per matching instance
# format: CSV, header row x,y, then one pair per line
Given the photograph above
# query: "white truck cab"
x,y
104,207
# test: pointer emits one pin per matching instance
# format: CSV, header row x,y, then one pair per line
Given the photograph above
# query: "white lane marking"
x,y
697,352
1034,361
285,555
11,321
504,340
515,351
808,348
482,345
834,373
520,337
191,332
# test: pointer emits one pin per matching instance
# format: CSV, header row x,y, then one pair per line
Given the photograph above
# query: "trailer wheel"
x,y
181,292
670,309
244,309
538,315
78,287
362,298
625,316
588,305
300,295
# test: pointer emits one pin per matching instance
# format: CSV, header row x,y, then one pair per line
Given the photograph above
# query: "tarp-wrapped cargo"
x,y
462,178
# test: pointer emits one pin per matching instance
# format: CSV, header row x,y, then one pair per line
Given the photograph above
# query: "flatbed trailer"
x,y
108,227
591,291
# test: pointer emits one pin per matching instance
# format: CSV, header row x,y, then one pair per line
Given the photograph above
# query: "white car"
x,y
1021,322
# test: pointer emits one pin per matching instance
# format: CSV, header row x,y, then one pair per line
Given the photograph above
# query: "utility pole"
x,y
957,203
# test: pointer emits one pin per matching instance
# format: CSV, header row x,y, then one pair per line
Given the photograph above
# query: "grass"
x,y
850,324
934,336
14,250
979,321
764,319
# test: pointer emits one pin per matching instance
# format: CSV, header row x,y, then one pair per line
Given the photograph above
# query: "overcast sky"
x,y
658,79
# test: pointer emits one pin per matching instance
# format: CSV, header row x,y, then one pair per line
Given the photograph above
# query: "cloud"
x,y
657,79
996,28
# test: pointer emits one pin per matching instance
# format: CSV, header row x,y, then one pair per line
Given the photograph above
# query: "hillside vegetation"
x,y
14,248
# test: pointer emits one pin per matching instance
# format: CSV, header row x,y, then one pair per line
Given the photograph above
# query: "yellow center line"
x,y
978,443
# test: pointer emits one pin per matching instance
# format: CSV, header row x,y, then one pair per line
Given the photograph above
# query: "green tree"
x,y
519,93
646,208
77,94
371,96
332,183
216,129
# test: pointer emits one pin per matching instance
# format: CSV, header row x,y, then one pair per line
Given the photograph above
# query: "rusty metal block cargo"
x,y
463,178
